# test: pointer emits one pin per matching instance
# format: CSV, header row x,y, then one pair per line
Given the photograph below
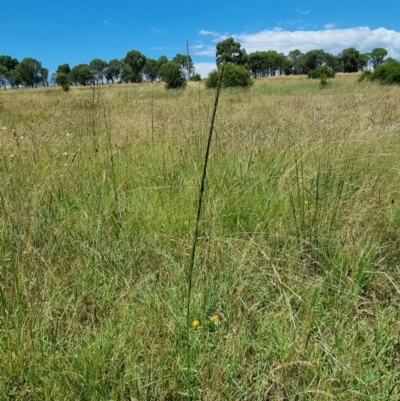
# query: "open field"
x,y
298,258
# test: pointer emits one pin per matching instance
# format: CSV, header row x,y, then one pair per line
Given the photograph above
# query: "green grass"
x,y
297,253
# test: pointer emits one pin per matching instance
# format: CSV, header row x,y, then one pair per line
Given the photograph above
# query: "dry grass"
x,y
298,252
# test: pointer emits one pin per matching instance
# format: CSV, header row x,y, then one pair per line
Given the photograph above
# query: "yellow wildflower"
x,y
196,323
214,319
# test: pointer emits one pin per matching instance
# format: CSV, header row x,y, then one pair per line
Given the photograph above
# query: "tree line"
x,y
266,63
136,67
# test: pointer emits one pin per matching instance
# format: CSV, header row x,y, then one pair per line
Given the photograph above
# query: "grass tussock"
x,y
296,279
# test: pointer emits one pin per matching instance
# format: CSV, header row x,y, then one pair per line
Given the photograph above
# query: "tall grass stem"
x,y
195,238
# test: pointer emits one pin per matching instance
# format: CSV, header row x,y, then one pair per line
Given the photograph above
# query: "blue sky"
x,y
77,31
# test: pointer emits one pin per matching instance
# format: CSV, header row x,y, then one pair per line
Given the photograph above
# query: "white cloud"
x,y
204,68
331,40
331,25
106,22
212,33
289,22
197,46
208,50
301,28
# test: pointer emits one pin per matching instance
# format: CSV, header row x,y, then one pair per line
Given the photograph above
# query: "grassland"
x,y
298,257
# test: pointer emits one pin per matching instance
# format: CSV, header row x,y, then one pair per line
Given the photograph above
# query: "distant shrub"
x,y
196,78
212,79
320,71
63,81
365,76
234,76
172,76
387,74
324,82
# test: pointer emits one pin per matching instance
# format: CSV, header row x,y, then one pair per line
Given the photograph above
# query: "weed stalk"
x,y
195,238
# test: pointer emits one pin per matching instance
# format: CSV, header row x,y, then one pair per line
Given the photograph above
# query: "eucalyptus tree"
x,y
97,68
287,66
389,60
264,63
313,59
31,72
297,58
363,61
230,51
113,70
8,62
45,77
274,62
81,75
14,78
377,55
151,69
332,62
258,63
162,60
136,61
64,68
127,74
185,63
349,59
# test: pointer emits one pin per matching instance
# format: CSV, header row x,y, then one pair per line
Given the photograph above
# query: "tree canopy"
x,y
377,56
64,68
150,69
136,61
97,68
113,70
185,64
297,58
8,63
230,51
350,59
31,72
81,74
8,67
